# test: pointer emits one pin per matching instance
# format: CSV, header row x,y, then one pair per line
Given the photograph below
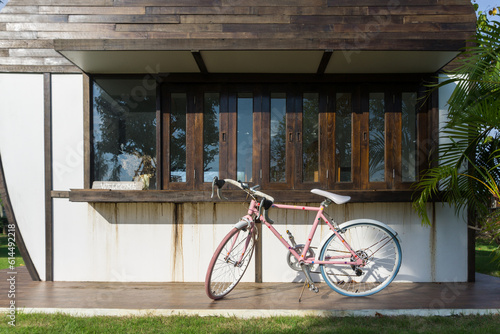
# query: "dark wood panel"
x,y
62,2
260,19
196,3
419,10
171,28
230,25
266,3
92,10
396,4
439,18
124,18
199,10
33,18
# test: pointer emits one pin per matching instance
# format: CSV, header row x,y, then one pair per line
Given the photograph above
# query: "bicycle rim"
x,y
377,245
229,262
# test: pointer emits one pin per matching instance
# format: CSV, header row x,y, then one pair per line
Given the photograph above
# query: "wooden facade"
x,y
32,30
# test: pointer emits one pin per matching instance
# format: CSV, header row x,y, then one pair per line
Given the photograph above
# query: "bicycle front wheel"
x,y
374,244
229,262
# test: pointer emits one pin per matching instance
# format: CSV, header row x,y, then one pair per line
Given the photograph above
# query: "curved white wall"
x,y
22,150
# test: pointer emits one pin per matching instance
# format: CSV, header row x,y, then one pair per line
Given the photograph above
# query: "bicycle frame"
x,y
253,210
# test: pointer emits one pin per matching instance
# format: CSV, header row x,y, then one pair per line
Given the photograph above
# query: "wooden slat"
x,y
92,10
199,10
187,3
62,2
266,3
33,18
260,19
124,18
59,27
59,194
169,27
21,9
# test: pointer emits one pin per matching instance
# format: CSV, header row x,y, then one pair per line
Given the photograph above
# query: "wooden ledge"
x,y
281,196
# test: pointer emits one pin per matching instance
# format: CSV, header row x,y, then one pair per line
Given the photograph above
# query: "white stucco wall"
x,y
22,150
141,241
167,242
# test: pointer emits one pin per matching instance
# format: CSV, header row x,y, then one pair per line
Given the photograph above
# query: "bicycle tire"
x,y
225,269
377,245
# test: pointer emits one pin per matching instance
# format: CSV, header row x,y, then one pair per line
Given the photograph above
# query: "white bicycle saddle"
x,y
337,199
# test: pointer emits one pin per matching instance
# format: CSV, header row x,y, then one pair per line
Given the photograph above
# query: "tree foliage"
x,y
468,172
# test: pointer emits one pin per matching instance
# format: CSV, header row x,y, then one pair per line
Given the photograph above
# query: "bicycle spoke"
x,y
379,250
229,263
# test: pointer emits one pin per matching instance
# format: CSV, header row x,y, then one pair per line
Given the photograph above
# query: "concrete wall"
x,y
167,242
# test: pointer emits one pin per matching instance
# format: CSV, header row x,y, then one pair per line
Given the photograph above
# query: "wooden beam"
x,y
11,218
87,97
49,223
324,61
181,196
200,62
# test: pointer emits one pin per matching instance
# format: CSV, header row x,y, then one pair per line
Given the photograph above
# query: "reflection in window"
x,y
409,137
343,137
124,131
245,137
277,157
178,107
377,137
210,136
310,137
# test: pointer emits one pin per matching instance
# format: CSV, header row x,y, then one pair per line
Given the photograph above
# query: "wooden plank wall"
x,y
28,28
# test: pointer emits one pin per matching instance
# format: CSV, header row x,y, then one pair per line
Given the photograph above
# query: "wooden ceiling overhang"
x,y
289,36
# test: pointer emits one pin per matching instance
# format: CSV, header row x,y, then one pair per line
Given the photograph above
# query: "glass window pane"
x,y
124,131
310,137
277,158
343,137
210,136
245,137
178,107
409,137
377,137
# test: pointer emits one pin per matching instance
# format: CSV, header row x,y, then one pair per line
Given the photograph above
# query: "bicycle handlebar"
x,y
266,203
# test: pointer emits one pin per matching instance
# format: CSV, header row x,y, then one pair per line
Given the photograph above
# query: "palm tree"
x,y
468,173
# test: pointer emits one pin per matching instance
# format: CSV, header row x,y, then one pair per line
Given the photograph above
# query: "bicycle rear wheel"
x,y
229,262
373,243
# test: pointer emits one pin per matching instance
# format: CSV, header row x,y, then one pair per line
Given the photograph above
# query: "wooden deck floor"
x,y
483,296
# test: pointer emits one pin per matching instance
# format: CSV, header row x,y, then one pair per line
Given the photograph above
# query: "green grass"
x,y
4,254
486,263
43,323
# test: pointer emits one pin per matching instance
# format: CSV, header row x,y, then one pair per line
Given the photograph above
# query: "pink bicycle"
x,y
358,258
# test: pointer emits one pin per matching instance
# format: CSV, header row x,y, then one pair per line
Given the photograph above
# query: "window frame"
x,y
327,90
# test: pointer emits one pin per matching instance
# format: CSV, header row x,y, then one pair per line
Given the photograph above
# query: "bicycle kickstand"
x,y
309,281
